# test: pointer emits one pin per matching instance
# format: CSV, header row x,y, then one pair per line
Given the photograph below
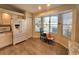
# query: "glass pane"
x,y
54,24
37,24
37,20
37,27
54,19
46,20
46,27
53,28
67,24
67,18
46,24
67,30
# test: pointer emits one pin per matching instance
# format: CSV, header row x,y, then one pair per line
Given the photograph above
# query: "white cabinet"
x,y
0,18
6,18
5,39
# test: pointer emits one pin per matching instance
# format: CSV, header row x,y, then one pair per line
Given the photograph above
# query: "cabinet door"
x,y
5,39
20,17
0,19
6,18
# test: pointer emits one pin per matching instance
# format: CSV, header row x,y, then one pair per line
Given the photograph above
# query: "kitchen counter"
x,y
6,32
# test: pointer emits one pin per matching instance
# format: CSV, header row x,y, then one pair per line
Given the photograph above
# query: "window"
x,y
54,24
67,24
50,24
46,24
37,24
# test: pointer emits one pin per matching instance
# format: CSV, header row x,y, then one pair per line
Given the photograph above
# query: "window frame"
x,y
60,23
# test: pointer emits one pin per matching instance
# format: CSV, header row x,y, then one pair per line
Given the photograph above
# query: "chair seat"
x,y
50,38
47,37
51,42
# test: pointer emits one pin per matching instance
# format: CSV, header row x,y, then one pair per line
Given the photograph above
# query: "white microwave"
x,y
5,29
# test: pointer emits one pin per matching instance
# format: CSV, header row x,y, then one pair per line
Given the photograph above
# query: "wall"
x,y
59,38
35,34
74,42
28,18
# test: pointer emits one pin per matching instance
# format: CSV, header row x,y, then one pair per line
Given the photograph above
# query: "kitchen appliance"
x,y
19,30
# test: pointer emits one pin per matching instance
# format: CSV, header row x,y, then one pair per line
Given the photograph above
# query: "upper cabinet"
x,y
7,15
0,18
6,19
20,17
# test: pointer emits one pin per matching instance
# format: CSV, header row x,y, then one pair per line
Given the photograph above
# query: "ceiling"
x,y
33,8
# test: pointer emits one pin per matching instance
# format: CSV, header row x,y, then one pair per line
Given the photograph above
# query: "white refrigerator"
x,y
19,30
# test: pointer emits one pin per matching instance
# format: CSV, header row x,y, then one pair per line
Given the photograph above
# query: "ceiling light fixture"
x,y
39,8
5,14
48,5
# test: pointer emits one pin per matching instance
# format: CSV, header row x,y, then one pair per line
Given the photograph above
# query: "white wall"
x,y
28,24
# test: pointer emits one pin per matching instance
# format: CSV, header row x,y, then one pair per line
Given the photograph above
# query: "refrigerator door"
x,y
18,28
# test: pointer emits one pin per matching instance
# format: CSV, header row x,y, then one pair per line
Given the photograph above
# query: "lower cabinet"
x,y
5,39
19,38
